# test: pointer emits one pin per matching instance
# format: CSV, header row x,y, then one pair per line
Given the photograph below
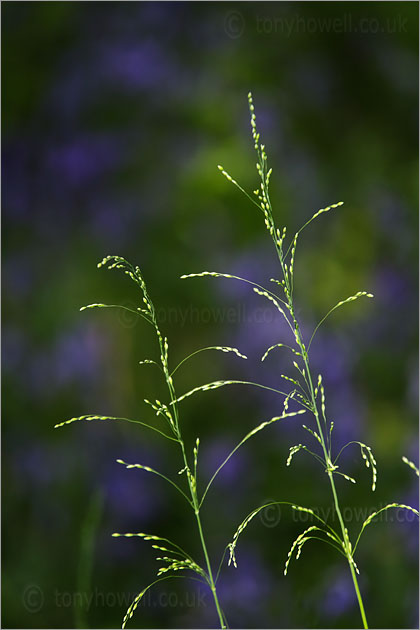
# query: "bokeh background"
x,y
115,116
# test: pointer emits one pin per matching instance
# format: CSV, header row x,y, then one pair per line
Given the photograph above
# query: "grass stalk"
x,y
304,394
326,448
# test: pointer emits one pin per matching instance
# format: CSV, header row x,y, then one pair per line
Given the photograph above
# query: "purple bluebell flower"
x,y
213,454
339,596
81,159
137,65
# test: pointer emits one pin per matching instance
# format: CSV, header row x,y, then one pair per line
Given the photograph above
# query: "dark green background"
x,y
115,116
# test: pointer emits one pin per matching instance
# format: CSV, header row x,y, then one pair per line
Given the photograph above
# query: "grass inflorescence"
x,y
307,390
175,558
303,388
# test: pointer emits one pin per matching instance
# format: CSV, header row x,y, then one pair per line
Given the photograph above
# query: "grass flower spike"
x,y
176,562
299,386
306,390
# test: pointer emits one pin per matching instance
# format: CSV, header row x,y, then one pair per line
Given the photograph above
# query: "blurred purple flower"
x,y
137,65
12,349
18,275
38,374
395,294
77,355
73,90
109,225
214,453
34,463
407,523
256,266
38,465
131,499
347,411
83,158
15,171
392,288
243,590
339,597
332,356
155,14
129,495
76,358
114,221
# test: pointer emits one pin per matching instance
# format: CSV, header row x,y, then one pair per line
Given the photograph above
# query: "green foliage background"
x,y
115,116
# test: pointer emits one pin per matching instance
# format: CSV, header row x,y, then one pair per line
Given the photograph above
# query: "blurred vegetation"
x,y
115,116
